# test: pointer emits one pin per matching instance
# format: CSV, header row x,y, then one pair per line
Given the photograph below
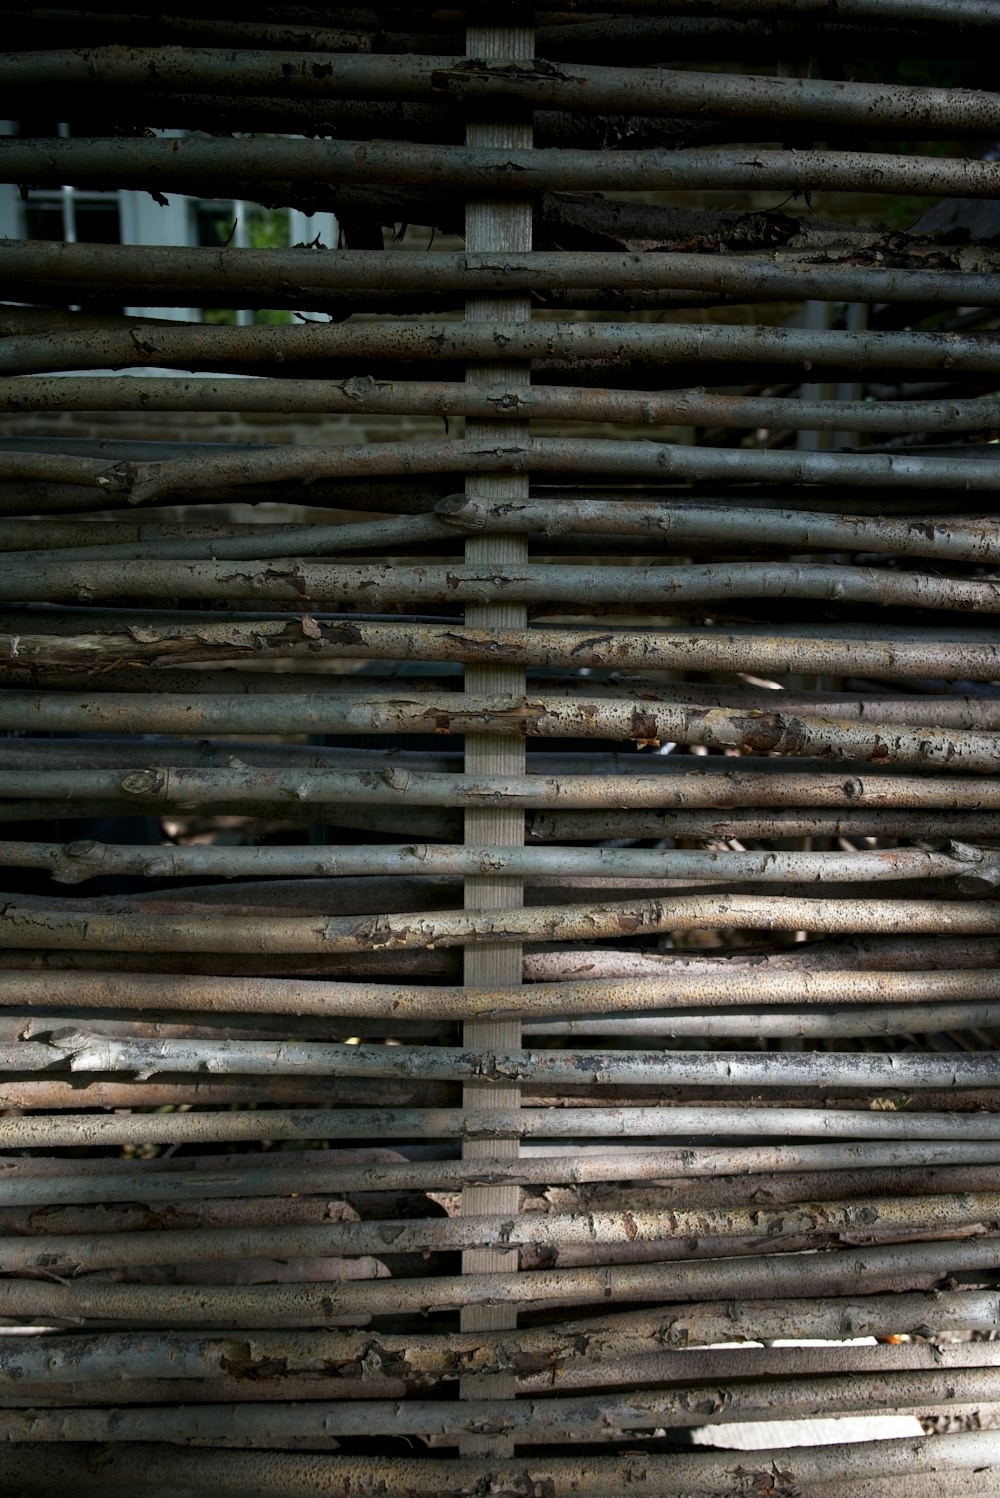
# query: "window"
x,y
126,217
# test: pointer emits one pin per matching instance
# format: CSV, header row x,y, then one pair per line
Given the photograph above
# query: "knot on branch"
x,y
121,478
143,783
460,511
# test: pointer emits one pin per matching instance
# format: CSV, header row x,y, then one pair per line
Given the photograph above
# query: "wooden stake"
x,y
503,225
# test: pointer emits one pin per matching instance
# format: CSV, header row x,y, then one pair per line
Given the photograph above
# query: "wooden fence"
x,y
519,920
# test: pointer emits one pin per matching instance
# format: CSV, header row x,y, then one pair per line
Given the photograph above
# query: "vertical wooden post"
x,y
494,224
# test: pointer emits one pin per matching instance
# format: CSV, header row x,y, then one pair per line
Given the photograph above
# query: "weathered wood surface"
x,y
548,860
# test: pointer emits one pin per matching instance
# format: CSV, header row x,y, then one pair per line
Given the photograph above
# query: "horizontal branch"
x,y
563,1419
441,964
79,536
100,486
384,585
579,88
33,1183
846,954
951,711
36,496
71,863
39,345
120,1358
360,395
162,786
591,826
60,542
24,925
260,22
975,14
637,1021
87,1129
81,641
363,896
229,543
68,1254
593,1171
179,1024
274,171
979,713
727,524
80,1051
160,270
567,36
557,717
755,1024
54,1093
124,753
230,1474
57,1092
571,35
666,92
713,987
910,1266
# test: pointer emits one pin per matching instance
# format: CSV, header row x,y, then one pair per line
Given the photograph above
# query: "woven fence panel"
x,y
500,937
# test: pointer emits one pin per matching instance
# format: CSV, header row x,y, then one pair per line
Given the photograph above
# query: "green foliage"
x,y
264,229
267,228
